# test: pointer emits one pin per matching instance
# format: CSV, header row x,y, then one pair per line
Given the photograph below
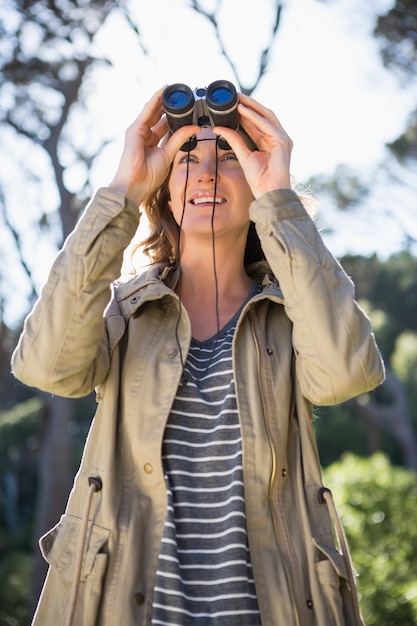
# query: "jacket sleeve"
x,y
336,354
63,348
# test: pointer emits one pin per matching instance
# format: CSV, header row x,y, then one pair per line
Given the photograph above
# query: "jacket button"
x,y
134,299
172,353
310,604
269,351
148,469
284,472
138,599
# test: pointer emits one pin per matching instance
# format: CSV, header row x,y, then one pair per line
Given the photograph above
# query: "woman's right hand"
x,y
144,164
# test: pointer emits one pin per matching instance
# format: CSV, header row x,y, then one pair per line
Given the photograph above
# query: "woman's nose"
x,y
207,170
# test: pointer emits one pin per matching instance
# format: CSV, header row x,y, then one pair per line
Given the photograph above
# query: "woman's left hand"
x,y
268,168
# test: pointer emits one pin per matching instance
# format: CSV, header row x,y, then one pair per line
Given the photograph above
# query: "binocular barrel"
x,y
178,101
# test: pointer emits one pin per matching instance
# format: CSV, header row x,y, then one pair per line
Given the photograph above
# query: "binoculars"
x,y
215,105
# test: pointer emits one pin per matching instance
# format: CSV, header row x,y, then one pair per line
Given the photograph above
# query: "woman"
x,y
199,497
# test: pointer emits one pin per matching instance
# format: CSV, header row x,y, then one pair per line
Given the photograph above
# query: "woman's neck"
x,y
205,272
212,290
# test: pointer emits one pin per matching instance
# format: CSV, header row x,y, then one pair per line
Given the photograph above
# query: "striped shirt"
x,y
204,575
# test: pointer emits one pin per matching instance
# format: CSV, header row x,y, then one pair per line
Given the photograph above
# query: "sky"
x,y
325,82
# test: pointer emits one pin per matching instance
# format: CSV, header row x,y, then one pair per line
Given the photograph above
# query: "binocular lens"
x,y
178,98
221,96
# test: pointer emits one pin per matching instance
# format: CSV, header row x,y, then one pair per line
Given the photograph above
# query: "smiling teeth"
x,y
207,200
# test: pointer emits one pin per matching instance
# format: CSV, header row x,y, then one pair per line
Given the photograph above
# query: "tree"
x,y
376,502
396,30
46,57
387,418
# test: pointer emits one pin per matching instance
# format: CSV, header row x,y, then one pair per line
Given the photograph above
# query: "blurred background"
x,y
342,77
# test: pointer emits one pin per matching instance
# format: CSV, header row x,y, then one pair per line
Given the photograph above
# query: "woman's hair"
x,y
161,243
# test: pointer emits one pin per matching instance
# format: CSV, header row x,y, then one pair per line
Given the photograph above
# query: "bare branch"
x,y
210,16
16,238
126,15
70,90
265,54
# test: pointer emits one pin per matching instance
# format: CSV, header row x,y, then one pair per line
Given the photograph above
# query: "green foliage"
x,y
390,287
15,574
19,442
404,357
339,429
20,445
378,506
388,291
404,147
397,30
19,421
404,365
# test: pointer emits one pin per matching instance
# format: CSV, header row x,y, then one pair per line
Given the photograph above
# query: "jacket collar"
x,y
159,280
153,283
261,272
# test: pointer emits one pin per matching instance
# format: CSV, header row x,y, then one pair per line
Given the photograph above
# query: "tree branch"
x,y
126,15
17,240
265,54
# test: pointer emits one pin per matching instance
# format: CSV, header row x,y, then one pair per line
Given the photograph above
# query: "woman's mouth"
x,y
206,199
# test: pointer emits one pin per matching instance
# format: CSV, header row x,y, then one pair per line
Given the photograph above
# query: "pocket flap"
x,y
334,556
60,545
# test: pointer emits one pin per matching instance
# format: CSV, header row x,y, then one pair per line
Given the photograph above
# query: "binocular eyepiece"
x,y
215,105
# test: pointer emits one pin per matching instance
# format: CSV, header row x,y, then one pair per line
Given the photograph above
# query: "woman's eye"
x,y
188,158
230,157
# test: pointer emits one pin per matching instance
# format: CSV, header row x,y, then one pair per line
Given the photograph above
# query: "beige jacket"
x,y
302,340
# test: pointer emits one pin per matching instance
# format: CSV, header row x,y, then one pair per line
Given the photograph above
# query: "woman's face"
x,y
233,194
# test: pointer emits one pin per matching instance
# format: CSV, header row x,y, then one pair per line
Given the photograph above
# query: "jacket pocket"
x,y
332,576
59,547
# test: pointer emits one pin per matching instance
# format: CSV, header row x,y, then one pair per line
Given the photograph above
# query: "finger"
x,y
160,129
265,132
256,120
253,130
177,139
250,109
253,105
235,141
